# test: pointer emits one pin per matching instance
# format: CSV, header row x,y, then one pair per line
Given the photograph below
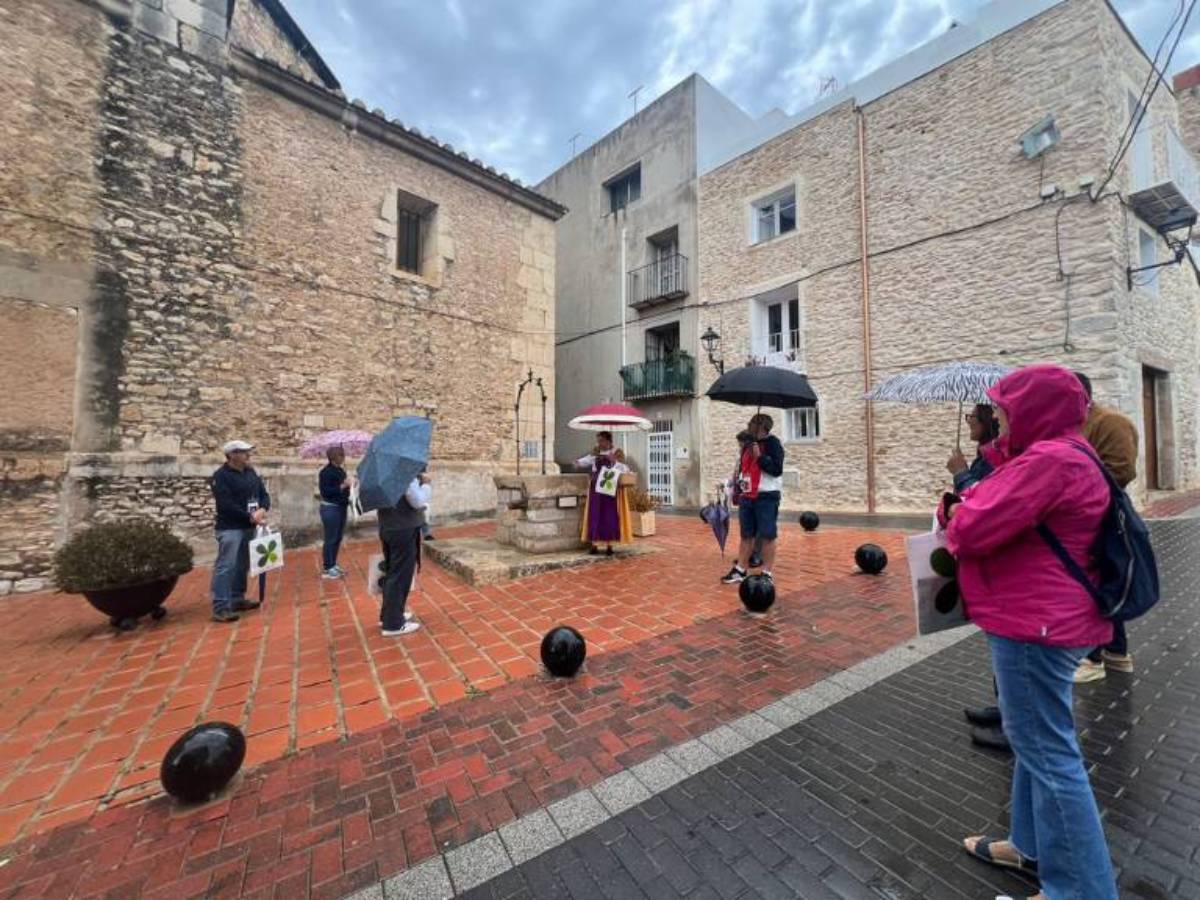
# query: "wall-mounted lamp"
x,y
1040,138
712,346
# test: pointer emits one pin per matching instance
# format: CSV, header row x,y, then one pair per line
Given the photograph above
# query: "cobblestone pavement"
x,y
870,797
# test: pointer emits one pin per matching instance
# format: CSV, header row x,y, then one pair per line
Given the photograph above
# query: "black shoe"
x,y
755,561
992,738
225,616
246,605
735,576
608,552
983,716
428,537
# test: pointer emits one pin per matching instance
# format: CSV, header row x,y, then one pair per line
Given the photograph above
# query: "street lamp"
x,y
712,343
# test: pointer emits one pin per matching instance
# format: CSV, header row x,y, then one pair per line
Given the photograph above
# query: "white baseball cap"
x,y
236,445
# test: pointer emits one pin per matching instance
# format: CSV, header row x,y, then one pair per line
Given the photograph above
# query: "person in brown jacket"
x,y
1115,440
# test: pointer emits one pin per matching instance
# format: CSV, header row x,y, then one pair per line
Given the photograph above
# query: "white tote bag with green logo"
x,y
266,552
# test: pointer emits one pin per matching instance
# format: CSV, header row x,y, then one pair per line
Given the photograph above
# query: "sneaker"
x,y
983,716
245,605
335,572
1089,671
736,576
409,627
1118,662
225,616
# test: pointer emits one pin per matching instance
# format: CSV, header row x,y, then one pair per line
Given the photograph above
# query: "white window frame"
x,y
761,334
792,425
1147,281
772,200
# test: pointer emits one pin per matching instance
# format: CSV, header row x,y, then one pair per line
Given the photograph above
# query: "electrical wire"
x,y
1150,75
1143,107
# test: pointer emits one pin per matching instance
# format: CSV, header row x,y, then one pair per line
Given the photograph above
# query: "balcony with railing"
x,y
1165,189
672,376
662,280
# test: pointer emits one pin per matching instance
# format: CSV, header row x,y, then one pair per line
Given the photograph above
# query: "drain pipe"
x,y
866,303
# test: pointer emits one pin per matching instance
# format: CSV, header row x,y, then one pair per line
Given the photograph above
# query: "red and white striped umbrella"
x,y
610,417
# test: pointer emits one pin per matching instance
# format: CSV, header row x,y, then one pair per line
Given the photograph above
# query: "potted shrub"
x,y
641,505
124,569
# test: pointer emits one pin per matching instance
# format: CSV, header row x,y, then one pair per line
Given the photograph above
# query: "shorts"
x,y
759,517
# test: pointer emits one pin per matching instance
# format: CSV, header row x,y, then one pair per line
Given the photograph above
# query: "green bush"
x,y
120,554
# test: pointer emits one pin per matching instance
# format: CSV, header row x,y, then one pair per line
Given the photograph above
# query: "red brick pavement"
x,y
393,778
1175,505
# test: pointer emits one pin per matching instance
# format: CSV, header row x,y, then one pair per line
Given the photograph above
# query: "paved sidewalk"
x,y
671,656
870,797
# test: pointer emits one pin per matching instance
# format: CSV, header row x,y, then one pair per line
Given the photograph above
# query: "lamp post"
x,y
712,343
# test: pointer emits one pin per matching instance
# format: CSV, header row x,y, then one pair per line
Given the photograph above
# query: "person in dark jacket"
x,y
760,488
400,535
334,485
984,429
242,502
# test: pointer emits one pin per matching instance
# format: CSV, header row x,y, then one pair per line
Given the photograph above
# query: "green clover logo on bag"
x,y
607,479
267,553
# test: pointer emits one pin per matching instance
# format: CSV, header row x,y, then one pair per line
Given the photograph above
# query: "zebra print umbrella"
x,y
961,382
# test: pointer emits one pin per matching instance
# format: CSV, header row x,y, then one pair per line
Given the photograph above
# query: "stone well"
x,y
543,513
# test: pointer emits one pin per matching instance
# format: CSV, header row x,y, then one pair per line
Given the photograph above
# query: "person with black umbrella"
x,y
758,490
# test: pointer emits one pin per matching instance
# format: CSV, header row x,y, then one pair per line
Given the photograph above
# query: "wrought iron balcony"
x,y
664,279
1166,180
674,376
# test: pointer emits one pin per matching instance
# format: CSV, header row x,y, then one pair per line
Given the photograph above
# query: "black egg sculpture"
x,y
757,593
871,558
203,761
809,520
563,651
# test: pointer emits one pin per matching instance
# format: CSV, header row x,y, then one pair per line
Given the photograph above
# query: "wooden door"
x,y
1150,425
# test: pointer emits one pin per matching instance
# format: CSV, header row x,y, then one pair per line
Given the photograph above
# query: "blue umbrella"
x,y
395,457
717,515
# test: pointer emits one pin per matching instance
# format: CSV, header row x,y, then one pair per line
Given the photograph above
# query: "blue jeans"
x,y
229,571
1054,816
333,519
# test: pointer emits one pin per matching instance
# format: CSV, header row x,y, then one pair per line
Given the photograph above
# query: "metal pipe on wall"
x,y
866,304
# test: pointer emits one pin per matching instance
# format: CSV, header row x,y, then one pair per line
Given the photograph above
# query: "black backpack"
x,y
1128,584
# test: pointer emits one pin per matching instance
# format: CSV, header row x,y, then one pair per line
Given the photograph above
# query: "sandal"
x,y
983,850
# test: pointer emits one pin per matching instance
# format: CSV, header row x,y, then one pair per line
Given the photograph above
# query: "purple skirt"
x,y
604,522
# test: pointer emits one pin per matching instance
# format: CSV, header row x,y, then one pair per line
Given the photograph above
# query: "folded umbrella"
x,y
394,458
716,514
770,386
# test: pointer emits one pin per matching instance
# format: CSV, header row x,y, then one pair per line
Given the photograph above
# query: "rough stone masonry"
x,y
199,241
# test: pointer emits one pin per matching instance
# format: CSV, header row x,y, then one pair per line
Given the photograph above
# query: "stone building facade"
x,y
973,251
201,240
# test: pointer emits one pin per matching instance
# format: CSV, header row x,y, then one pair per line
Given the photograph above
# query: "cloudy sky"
x,y
510,81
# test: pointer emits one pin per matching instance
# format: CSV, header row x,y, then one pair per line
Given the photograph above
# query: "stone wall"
x,y
964,254
202,252
52,68
253,29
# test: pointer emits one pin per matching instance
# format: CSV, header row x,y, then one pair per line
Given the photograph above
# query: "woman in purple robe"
x,y
606,519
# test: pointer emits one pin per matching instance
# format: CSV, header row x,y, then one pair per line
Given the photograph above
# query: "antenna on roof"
x,y
633,95
576,136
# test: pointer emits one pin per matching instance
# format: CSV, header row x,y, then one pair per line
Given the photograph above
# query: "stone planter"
x,y
643,524
125,605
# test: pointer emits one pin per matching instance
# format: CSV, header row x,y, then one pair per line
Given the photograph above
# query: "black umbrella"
x,y
764,386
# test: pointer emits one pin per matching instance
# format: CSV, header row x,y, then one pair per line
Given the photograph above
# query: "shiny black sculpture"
x,y
757,593
563,651
809,520
203,761
871,558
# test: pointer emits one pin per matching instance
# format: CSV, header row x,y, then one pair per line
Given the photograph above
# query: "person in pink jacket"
x,y
1040,623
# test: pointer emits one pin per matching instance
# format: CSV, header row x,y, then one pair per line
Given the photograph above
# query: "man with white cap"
x,y
242,503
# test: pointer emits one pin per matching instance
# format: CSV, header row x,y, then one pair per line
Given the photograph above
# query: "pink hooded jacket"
x,y
1012,583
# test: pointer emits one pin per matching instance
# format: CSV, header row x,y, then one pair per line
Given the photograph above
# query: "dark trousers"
x,y
400,552
1119,645
333,519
